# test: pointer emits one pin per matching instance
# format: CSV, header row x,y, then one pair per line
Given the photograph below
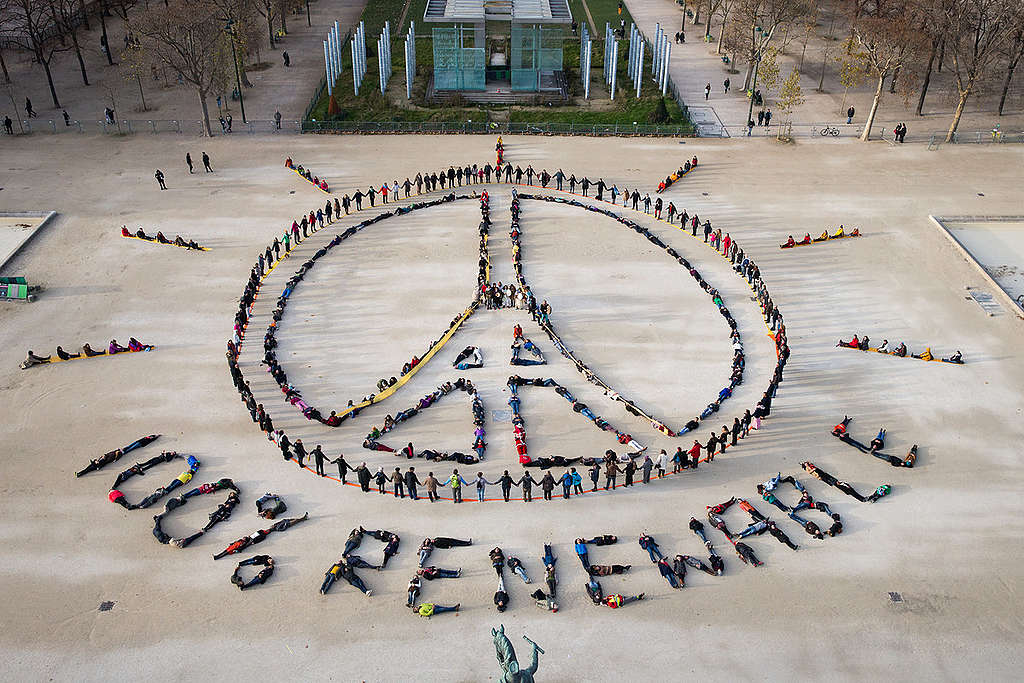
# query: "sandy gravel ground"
x,y
947,539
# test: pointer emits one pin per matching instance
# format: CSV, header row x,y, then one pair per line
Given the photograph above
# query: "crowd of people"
x,y
840,233
305,173
900,350
517,294
479,445
673,177
840,431
178,240
134,346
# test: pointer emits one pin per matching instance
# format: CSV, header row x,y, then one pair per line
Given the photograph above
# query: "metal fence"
x,y
134,126
879,131
495,127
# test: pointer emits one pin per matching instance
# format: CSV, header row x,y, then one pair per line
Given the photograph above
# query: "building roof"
x,y
518,11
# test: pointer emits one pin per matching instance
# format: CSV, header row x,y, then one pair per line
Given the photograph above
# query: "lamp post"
x,y
753,85
230,28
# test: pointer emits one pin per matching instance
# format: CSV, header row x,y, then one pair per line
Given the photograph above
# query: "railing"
x,y
495,127
133,126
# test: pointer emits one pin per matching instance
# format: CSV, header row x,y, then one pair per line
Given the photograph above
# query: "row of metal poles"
x,y
661,52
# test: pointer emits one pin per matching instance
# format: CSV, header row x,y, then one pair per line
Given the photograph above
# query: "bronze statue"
x,y
512,673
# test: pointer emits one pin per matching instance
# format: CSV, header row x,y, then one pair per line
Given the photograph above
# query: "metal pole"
x,y
664,75
327,66
615,63
586,74
639,76
654,54
355,67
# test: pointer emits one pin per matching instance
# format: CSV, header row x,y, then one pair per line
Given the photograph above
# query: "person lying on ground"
x,y
413,591
878,443
779,534
616,601
429,609
852,344
827,478
261,577
608,569
957,358
746,554
500,596
430,573
33,359
926,355
64,355
544,600
517,567
666,570
651,546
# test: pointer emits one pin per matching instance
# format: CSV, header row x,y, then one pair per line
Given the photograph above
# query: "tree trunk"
x,y
85,15
721,32
803,51
49,79
57,24
206,114
927,77
142,95
78,53
821,79
942,54
1010,69
270,29
103,25
892,83
707,24
866,135
3,65
284,13
696,13
957,114
750,73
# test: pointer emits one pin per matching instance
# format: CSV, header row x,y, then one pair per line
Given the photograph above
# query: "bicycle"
x,y
829,130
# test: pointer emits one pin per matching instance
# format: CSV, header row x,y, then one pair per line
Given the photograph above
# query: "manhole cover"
x,y
106,605
895,597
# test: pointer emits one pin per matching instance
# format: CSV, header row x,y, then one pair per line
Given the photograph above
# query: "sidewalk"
x,y
695,64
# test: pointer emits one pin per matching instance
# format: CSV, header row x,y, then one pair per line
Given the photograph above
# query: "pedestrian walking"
x,y
760,117
726,85
188,160
206,163
707,91
28,108
767,118
287,58
159,175
849,114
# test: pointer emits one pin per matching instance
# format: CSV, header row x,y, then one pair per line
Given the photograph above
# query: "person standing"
x,y
707,91
277,120
577,481
456,482
343,467
159,175
694,453
206,163
431,483
8,125
849,114
595,475
287,58
188,160
726,85
767,117
318,459
363,475
506,481
662,463
611,471
760,117
648,466
300,451
527,482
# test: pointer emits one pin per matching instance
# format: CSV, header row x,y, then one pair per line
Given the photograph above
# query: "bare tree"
x,y
67,15
188,37
1015,53
725,7
268,10
976,32
887,43
31,19
764,18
